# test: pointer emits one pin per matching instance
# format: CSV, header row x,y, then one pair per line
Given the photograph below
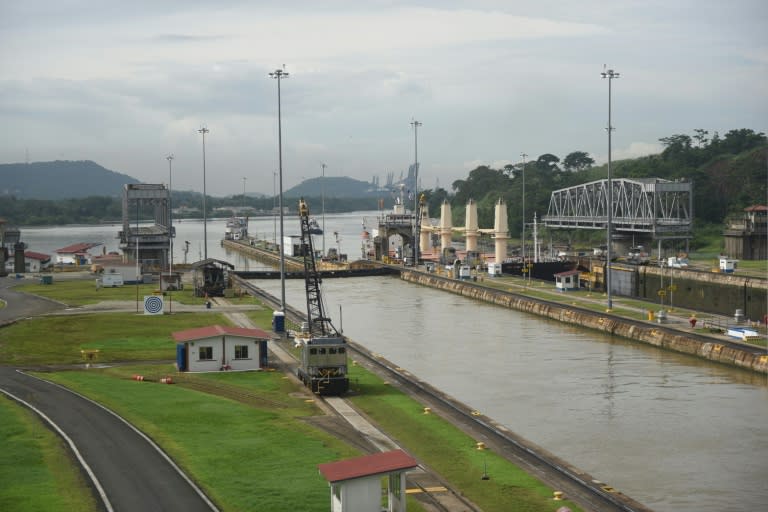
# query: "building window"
x,y
241,351
205,354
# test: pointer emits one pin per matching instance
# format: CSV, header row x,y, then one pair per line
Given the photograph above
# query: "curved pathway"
x,y
129,470
22,305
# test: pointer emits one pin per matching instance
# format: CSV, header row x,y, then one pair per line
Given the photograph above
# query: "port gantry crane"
x,y
324,355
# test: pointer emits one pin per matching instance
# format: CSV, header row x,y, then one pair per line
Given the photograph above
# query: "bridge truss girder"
x,y
661,208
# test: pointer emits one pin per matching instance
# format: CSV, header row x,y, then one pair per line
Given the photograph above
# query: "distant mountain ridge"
x,y
336,187
61,179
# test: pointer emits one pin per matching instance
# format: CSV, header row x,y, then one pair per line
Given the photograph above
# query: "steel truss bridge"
x,y
660,208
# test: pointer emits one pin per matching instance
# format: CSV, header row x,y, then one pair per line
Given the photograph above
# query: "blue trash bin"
x,y
278,321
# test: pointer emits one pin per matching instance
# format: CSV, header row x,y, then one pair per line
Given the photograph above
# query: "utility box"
x,y
111,280
278,321
728,265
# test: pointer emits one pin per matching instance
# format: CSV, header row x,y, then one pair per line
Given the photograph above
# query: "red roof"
x,y
36,256
218,330
76,248
756,208
368,465
567,273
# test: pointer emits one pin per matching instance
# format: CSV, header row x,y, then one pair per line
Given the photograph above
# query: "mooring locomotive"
x,y
323,365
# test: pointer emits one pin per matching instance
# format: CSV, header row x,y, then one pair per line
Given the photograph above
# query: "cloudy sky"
x,y
127,83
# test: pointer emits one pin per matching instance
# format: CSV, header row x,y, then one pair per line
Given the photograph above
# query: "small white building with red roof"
x,y
36,261
356,483
217,348
76,254
568,280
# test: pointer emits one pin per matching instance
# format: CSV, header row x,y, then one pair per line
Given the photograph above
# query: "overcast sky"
x,y
127,83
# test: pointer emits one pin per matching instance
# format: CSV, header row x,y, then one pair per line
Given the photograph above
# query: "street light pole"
x,y
610,75
244,178
322,194
279,74
274,207
170,230
416,218
523,234
204,130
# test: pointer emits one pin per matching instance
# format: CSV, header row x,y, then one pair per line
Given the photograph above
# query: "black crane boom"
x,y
319,324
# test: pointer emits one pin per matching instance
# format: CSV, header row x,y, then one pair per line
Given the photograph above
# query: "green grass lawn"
x,y
117,336
83,291
245,457
37,471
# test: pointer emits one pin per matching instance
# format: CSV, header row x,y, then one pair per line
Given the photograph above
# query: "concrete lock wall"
x,y
711,292
634,330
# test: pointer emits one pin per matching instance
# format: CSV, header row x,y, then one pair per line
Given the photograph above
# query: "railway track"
x,y
590,493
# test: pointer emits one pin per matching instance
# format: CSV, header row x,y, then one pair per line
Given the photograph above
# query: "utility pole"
x,y
170,231
610,75
524,155
204,130
244,178
322,195
279,75
416,216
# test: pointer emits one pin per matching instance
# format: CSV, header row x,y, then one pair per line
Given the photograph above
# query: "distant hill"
x,y
334,187
61,179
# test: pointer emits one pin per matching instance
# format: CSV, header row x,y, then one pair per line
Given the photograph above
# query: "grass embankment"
x,y
36,470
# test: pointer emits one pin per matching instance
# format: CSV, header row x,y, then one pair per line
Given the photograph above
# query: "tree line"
x,y
728,174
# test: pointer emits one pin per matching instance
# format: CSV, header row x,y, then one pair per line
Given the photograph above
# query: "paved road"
x,y
133,474
21,305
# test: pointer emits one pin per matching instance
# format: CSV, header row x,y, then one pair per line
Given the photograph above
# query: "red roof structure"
x,y
756,208
218,330
36,256
368,465
77,248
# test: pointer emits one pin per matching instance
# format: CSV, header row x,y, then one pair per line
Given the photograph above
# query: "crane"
x,y
323,365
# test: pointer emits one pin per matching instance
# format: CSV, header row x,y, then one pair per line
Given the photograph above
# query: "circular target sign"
x,y
153,305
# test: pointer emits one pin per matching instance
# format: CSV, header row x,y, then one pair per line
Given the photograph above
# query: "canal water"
x,y
343,232
672,431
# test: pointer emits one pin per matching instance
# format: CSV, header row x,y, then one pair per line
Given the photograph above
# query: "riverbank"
x,y
568,308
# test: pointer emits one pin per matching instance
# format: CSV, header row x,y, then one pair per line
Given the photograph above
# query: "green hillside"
x,y
728,174
60,180
334,187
